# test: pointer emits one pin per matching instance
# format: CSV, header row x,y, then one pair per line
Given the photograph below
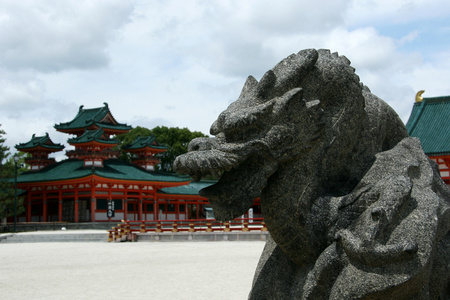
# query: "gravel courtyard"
x,y
143,270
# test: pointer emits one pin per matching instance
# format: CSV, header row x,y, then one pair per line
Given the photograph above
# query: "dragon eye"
x,y
242,134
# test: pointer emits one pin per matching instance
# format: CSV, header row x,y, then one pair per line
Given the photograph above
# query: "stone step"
x,y
202,236
53,237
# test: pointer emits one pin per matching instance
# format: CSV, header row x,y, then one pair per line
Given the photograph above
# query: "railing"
x,y
81,152
127,230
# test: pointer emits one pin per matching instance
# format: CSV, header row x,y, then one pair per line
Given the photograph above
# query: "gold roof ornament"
x,y
419,97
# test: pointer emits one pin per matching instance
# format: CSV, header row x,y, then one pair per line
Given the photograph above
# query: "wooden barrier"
x,y
126,230
111,235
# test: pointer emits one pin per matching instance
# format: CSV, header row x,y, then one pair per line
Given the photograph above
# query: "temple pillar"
x,y
140,204
28,207
155,205
93,209
45,207
93,199
125,204
76,205
60,204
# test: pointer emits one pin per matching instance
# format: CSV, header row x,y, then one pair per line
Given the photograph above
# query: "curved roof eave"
x,y
114,170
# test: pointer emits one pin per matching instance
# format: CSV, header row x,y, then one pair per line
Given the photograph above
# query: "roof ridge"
x,y
100,110
438,100
446,98
145,141
98,116
93,135
44,141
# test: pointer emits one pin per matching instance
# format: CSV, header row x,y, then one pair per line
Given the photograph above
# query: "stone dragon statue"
x,y
354,208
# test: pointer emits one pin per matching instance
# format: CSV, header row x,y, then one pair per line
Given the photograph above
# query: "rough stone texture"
x,y
354,208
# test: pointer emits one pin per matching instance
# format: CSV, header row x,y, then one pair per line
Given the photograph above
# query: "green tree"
x,y
176,138
7,182
129,137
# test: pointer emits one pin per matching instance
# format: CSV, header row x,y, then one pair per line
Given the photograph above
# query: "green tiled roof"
x,y
145,141
93,135
39,141
112,169
190,189
430,122
92,116
67,169
118,169
114,126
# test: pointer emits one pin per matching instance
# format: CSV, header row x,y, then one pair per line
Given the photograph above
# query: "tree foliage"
x,y
7,182
176,138
4,150
129,137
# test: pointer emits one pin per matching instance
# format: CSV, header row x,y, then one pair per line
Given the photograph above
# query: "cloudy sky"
x,y
179,63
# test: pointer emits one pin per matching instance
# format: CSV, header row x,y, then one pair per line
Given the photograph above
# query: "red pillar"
x,y
93,209
93,199
155,204
44,212
28,213
125,204
60,201
76,204
140,204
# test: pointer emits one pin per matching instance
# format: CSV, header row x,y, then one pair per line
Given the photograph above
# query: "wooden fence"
x,y
127,230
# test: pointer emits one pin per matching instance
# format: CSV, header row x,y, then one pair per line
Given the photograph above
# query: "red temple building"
x,y
430,122
93,184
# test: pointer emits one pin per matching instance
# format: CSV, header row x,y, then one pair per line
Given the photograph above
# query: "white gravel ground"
x,y
143,270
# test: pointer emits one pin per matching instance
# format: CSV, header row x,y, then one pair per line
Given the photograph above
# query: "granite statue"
x,y
354,207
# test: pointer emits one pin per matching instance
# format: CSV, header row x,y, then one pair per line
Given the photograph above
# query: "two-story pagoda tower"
x,y
144,151
39,147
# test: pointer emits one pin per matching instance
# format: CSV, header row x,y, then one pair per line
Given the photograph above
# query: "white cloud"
x,y
289,17
368,50
408,38
180,63
376,12
19,92
55,35
433,77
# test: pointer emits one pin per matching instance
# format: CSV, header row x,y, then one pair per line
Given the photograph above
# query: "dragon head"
x,y
294,112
